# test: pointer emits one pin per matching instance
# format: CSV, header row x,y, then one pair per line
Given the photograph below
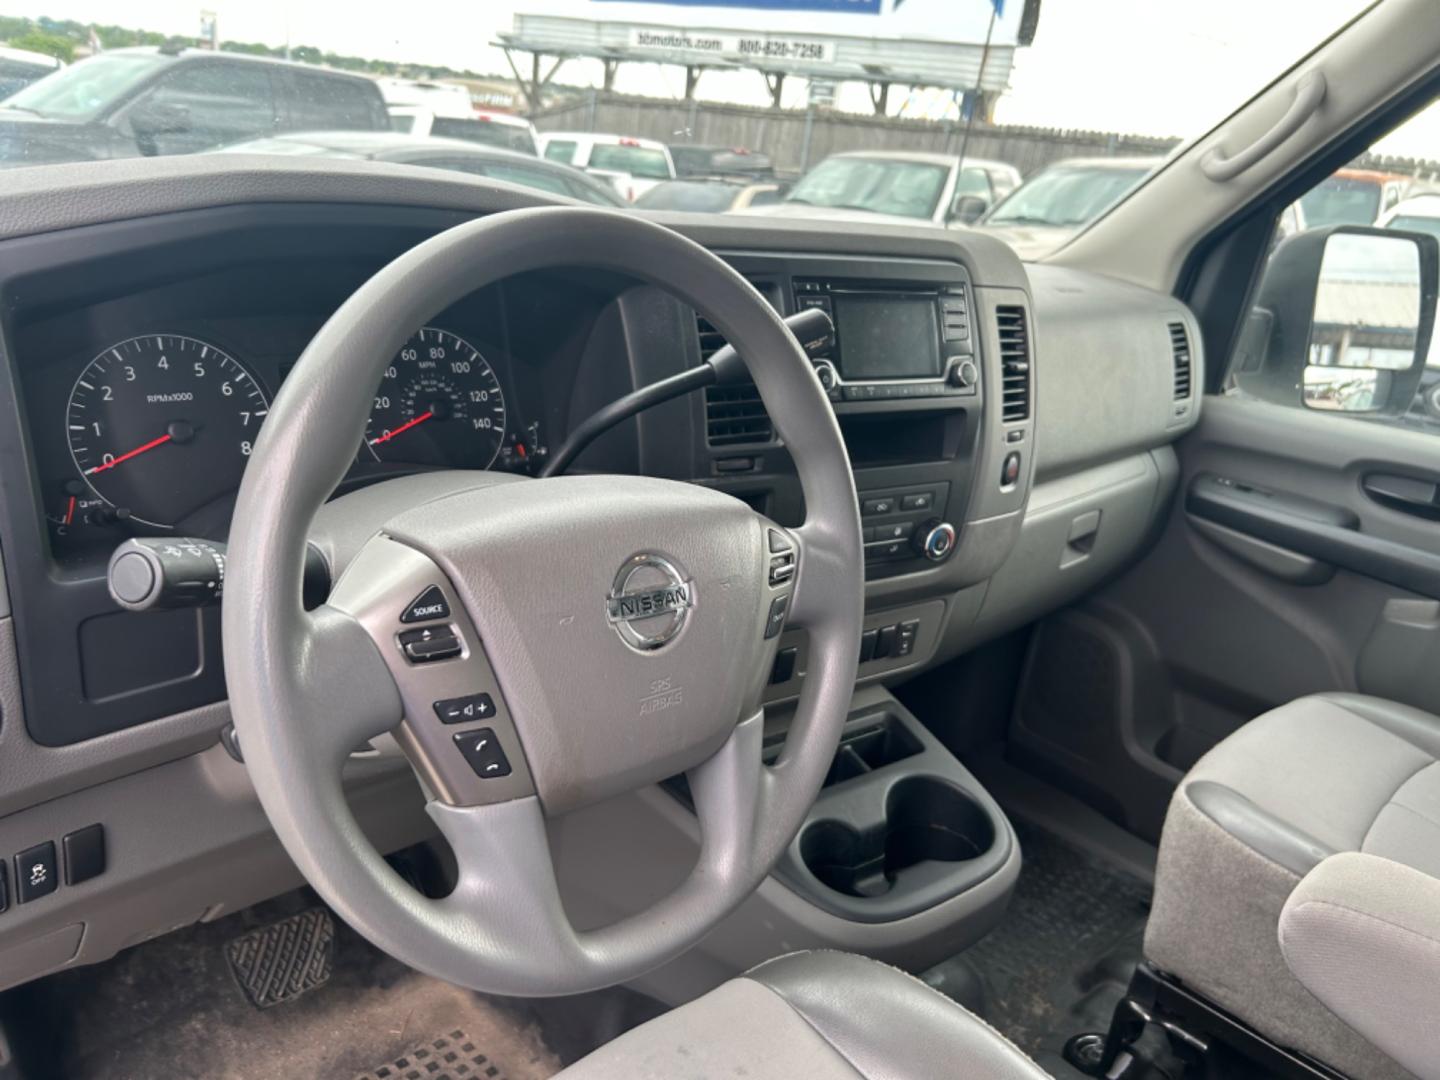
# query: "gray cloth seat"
x,y
1277,803
817,1015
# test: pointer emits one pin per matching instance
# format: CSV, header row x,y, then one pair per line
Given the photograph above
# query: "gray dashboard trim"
x,y
1097,335
32,774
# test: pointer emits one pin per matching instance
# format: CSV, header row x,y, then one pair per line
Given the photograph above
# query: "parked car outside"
x,y
456,155
633,165
21,67
899,187
1354,197
709,194
156,101
479,126
1059,201
693,160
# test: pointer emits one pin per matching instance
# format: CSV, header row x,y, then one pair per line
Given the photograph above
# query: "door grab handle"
x,y
1309,93
1405,494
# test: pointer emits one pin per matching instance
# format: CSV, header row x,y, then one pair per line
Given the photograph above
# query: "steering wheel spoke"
x,y
349,694
822,554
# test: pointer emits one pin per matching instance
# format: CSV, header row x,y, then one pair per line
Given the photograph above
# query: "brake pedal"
x,y
279,962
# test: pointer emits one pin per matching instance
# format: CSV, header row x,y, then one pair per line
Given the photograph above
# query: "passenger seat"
x,y
1282,801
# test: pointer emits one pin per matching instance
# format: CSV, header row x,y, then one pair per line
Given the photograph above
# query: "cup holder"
x,y
926,821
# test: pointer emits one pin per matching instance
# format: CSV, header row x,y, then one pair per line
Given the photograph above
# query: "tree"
x,y
49,44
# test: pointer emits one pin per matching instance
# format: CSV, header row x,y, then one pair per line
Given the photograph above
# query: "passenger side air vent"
x,y
1180,349
734,415
1014,363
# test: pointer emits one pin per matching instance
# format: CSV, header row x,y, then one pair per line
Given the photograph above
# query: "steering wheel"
x,y
536,645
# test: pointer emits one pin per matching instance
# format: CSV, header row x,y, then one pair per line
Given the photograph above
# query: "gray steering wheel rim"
x,y
289,670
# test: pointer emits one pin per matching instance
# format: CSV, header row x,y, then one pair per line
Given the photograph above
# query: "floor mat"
x,y
173,1008
453,1056
1062,956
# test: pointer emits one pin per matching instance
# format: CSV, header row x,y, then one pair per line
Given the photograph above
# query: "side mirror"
x,y
160,118
1343,321
968,209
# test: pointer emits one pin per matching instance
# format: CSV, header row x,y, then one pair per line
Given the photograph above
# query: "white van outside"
x,y
633,165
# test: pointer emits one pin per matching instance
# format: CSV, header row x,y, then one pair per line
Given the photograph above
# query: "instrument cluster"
x,y
159,426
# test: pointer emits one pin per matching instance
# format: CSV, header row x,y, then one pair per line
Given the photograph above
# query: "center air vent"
x,y
1014,363
1180,349
734,415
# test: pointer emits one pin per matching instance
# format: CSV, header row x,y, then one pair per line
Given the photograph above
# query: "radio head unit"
x,y
894,340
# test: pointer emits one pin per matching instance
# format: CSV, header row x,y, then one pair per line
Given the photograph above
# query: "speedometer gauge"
x,y
438,404
161,425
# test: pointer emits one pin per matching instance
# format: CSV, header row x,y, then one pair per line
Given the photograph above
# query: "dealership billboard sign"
x,y
952,44
960,21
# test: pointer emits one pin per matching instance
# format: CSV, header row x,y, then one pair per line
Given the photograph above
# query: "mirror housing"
x,y
1310,340
968,209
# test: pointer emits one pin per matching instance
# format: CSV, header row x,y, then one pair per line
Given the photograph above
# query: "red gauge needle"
x,y
428,415
70,510
151,445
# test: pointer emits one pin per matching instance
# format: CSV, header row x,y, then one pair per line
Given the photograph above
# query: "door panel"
x,y
1281,572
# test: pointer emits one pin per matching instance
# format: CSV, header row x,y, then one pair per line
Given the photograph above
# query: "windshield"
x,y
1030,118
1066,196
1340,201
909,189
86,90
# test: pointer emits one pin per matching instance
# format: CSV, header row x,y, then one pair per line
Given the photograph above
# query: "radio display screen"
x,y
883,336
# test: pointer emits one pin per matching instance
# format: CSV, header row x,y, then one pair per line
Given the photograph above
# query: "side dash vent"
x,y
1014,363
1180,349
734,415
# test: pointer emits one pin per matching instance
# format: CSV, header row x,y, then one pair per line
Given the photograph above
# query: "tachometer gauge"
x,y
438,404
162,425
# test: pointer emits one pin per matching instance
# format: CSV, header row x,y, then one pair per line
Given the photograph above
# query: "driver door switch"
x,y
482,750
430,644
35,874
429,606
462,710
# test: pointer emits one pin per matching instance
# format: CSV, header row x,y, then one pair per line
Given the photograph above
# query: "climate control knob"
x,y
935,540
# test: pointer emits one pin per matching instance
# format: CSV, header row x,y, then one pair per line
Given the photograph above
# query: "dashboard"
x,y
150,312
142,353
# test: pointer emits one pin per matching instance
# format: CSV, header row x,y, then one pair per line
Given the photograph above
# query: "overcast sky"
x,y
1156,67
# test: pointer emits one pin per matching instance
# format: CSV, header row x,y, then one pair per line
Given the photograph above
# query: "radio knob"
x,y
826,374
964,374
935,540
